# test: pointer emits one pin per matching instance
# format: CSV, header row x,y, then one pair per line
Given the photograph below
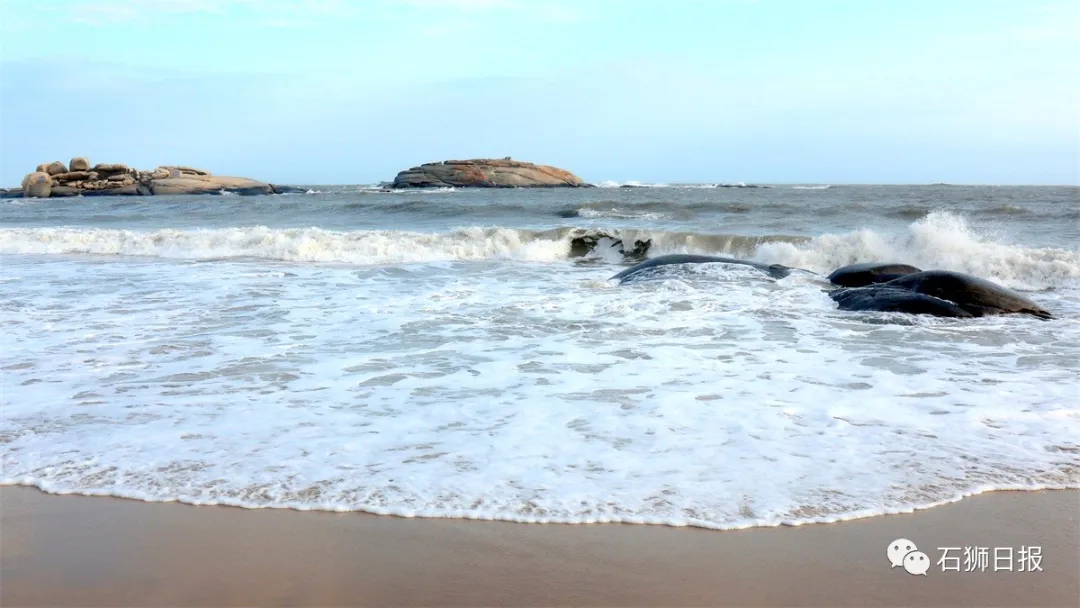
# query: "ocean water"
x,y
443,353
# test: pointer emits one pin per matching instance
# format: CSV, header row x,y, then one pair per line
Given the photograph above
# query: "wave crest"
x,y
939,240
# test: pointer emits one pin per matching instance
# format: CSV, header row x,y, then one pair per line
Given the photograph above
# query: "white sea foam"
x,y
478,373
815,187
615,212
940,240
518,391
294,245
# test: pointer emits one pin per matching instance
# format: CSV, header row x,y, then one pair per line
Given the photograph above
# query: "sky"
x,y
340,91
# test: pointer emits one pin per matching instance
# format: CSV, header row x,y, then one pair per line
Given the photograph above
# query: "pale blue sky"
x,y
325,91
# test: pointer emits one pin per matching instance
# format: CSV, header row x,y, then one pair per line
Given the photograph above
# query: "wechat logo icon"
x,y
902,552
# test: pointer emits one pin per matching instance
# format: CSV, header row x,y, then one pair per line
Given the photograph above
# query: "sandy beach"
x,y
85,551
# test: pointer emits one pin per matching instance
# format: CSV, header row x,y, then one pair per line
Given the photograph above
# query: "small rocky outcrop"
x,y
77,178
486,173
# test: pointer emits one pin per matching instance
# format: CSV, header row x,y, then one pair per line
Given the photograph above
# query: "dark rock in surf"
x,y
869,273
977,296
774,270
486,173
278,189
880,298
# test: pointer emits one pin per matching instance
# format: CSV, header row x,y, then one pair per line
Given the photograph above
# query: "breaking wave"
x,y
939,240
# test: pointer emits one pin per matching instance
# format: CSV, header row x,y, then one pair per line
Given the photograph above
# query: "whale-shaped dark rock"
x,y
279,189
976,296
774,270
869,273
881,298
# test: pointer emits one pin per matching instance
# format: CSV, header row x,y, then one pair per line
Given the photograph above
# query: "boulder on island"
x,y
79,163
211,184
37,185
56,168
72,176
183,185
107,169
486,173
183,171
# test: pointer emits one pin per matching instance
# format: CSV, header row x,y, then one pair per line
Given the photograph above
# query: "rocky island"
x,y
78,177
486,173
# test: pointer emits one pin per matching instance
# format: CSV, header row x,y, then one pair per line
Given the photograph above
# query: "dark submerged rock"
x,y
881,298
774,270
869,273
278,189
977,296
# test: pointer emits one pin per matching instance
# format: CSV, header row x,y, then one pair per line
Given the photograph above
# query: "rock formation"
x,y
77,178
38,185
486,173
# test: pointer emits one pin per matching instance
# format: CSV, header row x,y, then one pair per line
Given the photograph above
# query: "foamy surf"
x,y
514,392
940,240
388,360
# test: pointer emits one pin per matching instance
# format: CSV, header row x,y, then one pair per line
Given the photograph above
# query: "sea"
x,y
451,353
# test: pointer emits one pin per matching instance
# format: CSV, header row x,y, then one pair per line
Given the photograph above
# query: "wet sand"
x,y
81,551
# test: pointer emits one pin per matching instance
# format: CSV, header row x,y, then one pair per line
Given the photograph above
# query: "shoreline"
x,y
79,551
629,521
